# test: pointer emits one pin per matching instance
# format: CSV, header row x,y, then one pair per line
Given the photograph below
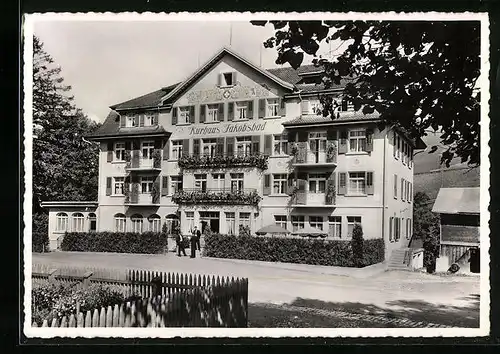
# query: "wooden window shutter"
x,y
191,114
108,185
342,183
390,228
141,120
250,109
166,149
185,147
230,111
110,151
196,147
203,109
122,120
219,80
197,113
256,144
343,142
262,108
402,189
304,106
395,186
174,116
282,107
234,77
394,146
155,119
220,112
164,186
369,140
369,183
284,136
267,184
220,146
268,144
230,146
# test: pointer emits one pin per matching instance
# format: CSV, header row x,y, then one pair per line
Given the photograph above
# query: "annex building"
x,y
235,144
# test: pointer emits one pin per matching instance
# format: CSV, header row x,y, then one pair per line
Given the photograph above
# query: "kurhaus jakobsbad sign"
x,y
229,128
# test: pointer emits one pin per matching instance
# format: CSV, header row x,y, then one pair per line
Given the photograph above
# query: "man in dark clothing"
x,y
197,235
180,244
193,246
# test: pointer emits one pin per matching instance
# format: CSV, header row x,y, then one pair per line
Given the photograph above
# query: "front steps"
x,y
397,260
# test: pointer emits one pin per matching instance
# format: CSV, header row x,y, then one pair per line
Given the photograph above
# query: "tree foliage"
x,y
418,75
357,245
65,167
426,227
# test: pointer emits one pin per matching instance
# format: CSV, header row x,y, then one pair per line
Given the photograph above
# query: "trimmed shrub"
x,y
357,245
291,250
127,242
39,234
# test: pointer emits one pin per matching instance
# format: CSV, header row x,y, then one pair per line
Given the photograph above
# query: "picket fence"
x,y
167,299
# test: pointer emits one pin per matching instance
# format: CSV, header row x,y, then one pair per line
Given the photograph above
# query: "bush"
x,y
56,300
39,234
244,230
128,242
357,245
291,250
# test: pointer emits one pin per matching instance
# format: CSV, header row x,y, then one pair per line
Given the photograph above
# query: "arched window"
x,y
136,223
120,223
154,223
62,222
78,219
92,222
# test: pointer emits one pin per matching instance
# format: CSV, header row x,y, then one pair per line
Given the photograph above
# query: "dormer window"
x,y
132,121
150,120
227,79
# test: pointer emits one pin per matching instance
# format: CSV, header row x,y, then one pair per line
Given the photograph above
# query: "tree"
x,y
357,245
65,166
418,75
426,227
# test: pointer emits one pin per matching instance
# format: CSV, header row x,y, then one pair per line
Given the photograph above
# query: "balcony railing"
x,y
247,196
215,160
327,199
301,155
134,197
134,161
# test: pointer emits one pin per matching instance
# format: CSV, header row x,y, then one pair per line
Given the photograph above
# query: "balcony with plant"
x,y
217,196
195,161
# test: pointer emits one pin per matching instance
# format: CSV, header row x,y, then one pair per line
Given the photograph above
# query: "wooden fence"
x,y
167,299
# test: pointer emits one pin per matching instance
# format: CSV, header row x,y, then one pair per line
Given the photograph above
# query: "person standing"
x,y
193,245
180,244
197,234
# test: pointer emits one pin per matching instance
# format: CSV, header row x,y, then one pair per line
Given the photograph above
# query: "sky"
x,y
113,61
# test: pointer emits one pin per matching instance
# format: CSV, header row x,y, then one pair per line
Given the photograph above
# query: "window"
x,y
398,147
351,221
317,143
119,151
402,189
184,115
357,140
297,223
403,153
237,182
408,231
240,110
244,219
200,181
280,221
136,223
176,183
272,108
61,222
317,182
411,192
244,145
218,180
395,186
119,181
231,223
120,223
227,79
397,229
132,121
147,184
78,219
189,221
391,226
394,145
357,183
212,113
335,226
147,149
209,147
150,120
176,149
154,223
316,222
92,222
315,107
279,183
280,144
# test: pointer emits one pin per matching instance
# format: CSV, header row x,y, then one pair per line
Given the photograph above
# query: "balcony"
x,y
302,156
227,196
134,162
301,199
134,197
191,162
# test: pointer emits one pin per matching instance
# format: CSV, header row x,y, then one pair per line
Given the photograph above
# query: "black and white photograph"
x,y
256,174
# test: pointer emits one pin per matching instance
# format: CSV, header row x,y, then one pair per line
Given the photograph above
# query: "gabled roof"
x,y
344,117
212,61
457,201
152,99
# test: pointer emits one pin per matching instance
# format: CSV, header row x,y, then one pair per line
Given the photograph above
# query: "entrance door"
x,y
214,225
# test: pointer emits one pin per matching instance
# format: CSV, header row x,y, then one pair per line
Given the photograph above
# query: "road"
x,y
451,300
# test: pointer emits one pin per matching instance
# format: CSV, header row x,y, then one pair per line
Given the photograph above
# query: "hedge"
x,y
39,234
121,242
292,250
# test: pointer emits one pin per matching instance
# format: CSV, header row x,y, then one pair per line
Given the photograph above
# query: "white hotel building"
x,y
235,144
